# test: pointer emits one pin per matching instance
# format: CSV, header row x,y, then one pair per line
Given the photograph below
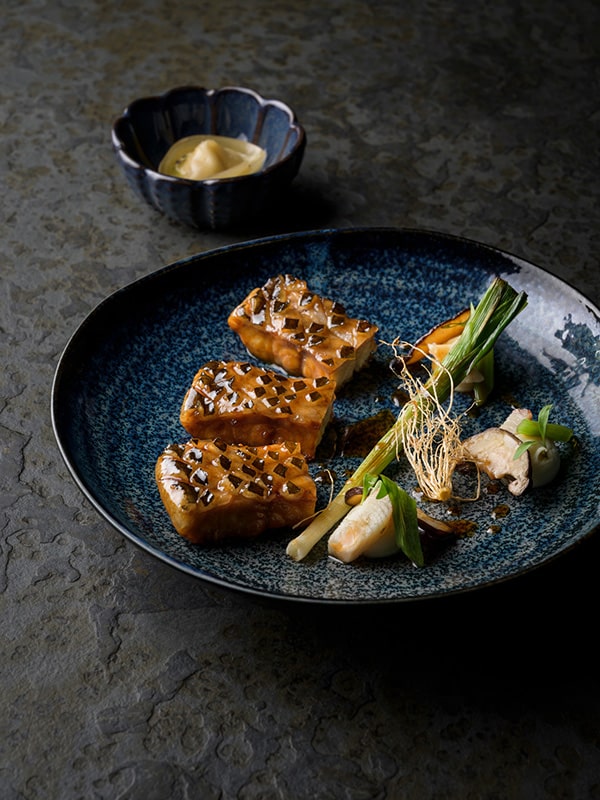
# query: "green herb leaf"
x,y
369,482
522,448
558,433
408,536
404,512
543,421
542,429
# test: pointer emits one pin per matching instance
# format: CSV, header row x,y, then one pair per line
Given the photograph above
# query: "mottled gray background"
x,y
124,679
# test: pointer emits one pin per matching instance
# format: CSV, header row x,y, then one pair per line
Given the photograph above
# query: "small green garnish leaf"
x,y
543,421
369,482
522,448
542,429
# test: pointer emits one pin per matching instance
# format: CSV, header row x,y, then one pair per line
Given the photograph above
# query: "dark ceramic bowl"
x,y
149,126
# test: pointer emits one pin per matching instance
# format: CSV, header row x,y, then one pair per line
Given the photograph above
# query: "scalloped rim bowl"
x,y
148,127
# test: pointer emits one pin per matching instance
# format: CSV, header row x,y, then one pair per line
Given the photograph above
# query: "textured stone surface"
x,y
124,679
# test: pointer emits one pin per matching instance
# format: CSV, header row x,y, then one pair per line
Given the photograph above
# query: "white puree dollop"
x,y
204,157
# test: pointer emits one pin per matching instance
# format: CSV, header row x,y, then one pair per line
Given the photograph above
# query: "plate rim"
x,y
318,234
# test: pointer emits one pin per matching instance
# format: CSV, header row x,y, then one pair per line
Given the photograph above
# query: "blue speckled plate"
x,y
120,382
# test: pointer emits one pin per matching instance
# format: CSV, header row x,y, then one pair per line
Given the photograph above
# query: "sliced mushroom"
x,y
440,334
493,451
516,416
433,526
353,496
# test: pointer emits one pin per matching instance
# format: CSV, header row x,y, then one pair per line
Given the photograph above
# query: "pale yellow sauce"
x,y
204,157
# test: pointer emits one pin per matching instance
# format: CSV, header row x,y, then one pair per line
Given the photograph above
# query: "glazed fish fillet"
x,y
284,323
244,403
214,491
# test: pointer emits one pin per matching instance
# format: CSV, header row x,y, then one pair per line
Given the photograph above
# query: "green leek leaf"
x,y
482,390
404,511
